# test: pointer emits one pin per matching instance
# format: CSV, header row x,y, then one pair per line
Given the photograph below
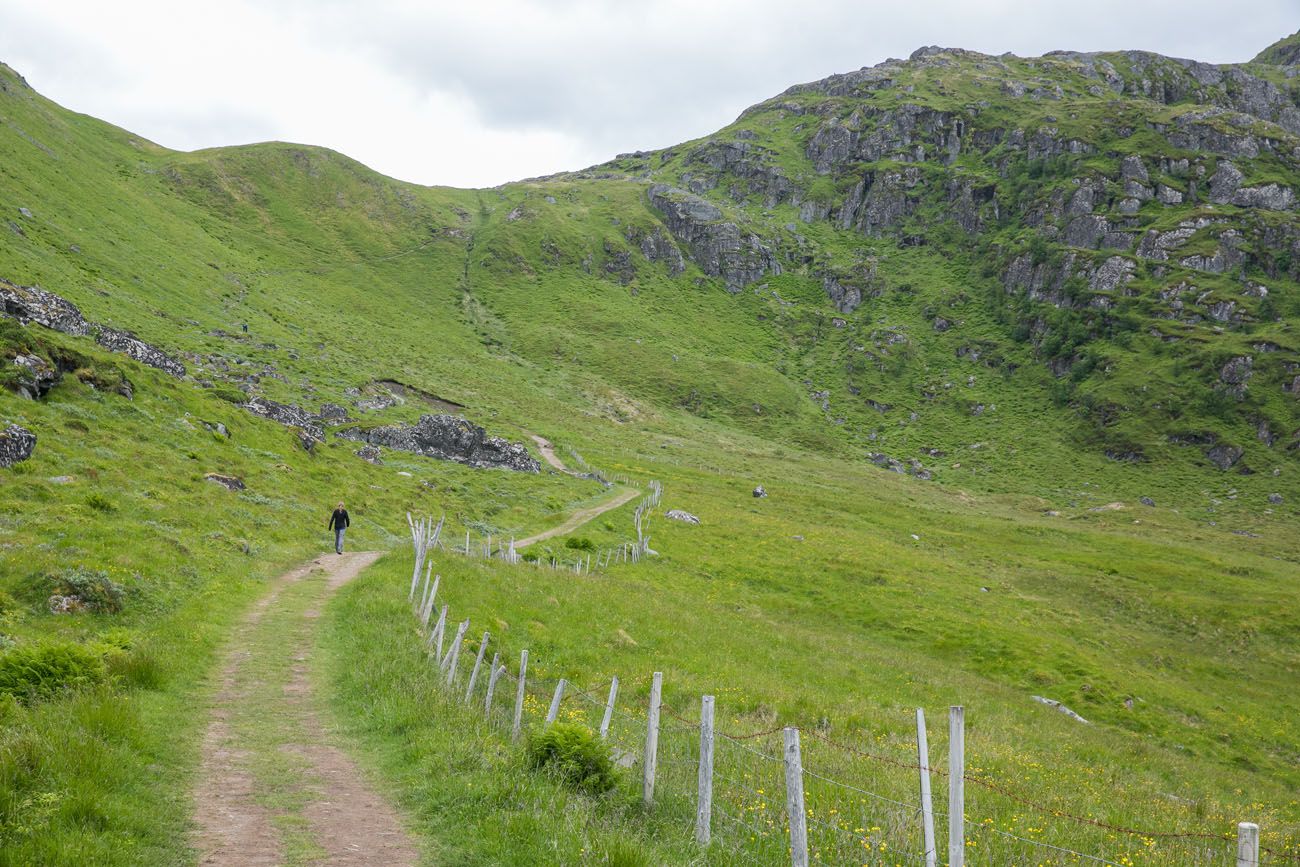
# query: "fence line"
x,y
689,767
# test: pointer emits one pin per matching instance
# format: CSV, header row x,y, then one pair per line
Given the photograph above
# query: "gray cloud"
x,y
474,93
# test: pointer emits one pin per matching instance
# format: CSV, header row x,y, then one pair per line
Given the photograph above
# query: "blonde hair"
x,y
340,505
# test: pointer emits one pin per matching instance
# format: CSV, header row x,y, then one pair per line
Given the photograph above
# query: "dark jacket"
x,y
339,519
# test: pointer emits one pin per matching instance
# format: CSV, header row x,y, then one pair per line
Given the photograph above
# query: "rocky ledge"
x,y
449,438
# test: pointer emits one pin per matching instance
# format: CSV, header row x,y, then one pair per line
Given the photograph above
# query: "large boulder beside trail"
x,y
16,444
449,438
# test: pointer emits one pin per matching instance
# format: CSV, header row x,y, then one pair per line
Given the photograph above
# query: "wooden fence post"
x,y
453,652
555,701
794,807
1247,844
424,590
478,663
428,604
927,802
956,786
609,707
497,671
704,804
519,696
652,739
435,637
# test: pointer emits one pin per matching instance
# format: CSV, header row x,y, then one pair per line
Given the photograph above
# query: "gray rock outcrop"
x,y
287,415
449,438
128,344
679,515
1224,456
717,246
38,376
16,444
32,304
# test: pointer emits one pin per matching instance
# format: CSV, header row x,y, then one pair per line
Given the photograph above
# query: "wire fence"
x,y
855,804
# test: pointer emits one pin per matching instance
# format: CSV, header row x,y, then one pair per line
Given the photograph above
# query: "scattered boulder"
x,y
369,454
230,483
1275,499
449,438
216,427
1147,501
679,515
760,492
16,444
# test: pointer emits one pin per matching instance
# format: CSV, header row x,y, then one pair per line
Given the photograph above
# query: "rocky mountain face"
x,y
1119,203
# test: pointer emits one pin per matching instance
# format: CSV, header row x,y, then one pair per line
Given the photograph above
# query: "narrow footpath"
x,y
274,787
580,516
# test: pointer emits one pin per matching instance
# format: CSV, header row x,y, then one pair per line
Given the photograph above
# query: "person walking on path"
x,y
338,523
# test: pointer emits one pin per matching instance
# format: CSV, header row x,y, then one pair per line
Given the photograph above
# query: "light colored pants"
x,y
338,539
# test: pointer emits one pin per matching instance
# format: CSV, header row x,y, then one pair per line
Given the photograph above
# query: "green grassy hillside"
x,y
1040,289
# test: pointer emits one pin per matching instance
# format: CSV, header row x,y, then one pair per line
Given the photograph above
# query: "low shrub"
x,y
32,672
580,543
93,587
100,503
574,754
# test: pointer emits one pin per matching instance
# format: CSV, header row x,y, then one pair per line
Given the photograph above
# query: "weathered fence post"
x,y
497,671
794,799
428,605
652,739
956,786
453,652
478,663
424,590
435,637
927,802
1247,844
555,701
704,804
609,707
519,696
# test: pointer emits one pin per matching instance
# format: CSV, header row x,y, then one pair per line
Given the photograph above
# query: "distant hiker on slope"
x,y
338,523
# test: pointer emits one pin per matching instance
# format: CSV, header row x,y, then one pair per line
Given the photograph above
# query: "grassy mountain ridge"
x,y
945,266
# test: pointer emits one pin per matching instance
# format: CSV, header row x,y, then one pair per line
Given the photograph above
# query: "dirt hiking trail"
x,y
273,786
581,516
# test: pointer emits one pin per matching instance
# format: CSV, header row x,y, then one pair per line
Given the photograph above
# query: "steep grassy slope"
x,y
894,265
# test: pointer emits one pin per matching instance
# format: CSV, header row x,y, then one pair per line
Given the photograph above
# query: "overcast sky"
x,y
480,92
